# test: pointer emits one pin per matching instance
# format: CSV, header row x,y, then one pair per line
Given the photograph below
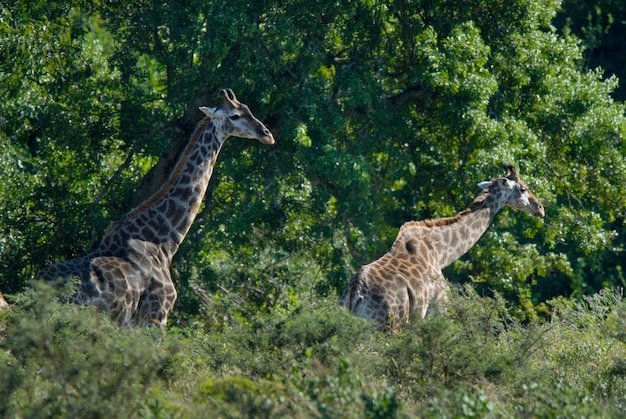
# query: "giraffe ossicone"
x,y
408,279
128,275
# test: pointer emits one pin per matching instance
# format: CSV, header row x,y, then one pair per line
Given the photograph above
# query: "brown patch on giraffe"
x,y
181,192
376,297
411,246
454,239
464,233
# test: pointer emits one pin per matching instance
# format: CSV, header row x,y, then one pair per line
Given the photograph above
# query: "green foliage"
x,y
317,361
600,26
71,361
384,112
236,397
59,134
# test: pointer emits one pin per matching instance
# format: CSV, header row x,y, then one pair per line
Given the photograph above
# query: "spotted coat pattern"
x,y
408,278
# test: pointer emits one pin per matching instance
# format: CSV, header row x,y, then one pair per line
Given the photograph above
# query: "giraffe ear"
x,y
484,185
210,112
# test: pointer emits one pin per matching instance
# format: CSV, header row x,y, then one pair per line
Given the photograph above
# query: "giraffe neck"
x,y
450,238
165,218
459,237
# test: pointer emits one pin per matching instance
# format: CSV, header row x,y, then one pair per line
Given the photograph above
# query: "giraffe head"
x,y
238,120
514,191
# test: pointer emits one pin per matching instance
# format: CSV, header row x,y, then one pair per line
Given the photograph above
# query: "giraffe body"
x,y
128,275
409,278
3,302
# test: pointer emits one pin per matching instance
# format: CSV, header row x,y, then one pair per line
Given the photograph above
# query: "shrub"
x,y
65,360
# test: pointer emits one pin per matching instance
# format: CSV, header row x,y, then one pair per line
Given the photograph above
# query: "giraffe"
x,y
128,275
408,278
3,302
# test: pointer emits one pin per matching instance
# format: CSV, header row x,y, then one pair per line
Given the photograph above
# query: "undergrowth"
x,y
477,360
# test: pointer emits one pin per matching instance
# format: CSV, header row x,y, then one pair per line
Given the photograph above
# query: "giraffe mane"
x,y
439,222
176,172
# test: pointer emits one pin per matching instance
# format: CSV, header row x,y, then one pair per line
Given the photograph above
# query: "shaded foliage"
x,y
601,27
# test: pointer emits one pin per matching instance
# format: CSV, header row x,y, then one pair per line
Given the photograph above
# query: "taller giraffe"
x,y
128,275
409,277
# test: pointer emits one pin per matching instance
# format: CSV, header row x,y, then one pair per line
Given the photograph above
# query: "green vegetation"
x,y
383,112
316,361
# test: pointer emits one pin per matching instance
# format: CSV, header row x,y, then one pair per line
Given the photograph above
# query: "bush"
x,y
317,361
72,361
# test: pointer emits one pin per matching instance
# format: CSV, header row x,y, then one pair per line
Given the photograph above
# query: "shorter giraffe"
x,y
409,277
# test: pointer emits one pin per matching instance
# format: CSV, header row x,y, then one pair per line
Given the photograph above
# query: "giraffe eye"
x,y
523,189
234,117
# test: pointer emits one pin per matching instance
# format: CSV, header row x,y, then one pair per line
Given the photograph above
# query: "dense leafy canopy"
x,y
384,111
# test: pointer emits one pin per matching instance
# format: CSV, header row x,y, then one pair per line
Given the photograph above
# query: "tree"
x,y
600,26
383,112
